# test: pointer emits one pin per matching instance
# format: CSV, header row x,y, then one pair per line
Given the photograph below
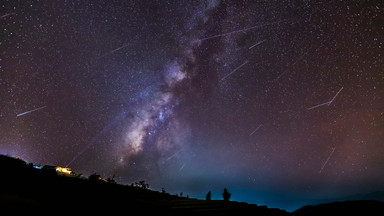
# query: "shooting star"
x,y
173,155
6,15
119,48
234,70
255,130
256,44
24,113
242,30
115,50
325,163
328,102
182,166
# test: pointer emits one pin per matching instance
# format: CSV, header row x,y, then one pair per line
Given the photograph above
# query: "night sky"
x,y
279,101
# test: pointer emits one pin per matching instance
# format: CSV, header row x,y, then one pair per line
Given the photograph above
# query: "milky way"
x,y
279,101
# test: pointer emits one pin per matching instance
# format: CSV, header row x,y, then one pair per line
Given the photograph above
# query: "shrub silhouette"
x,y
226,195
111,180
94,177
141,184
208,196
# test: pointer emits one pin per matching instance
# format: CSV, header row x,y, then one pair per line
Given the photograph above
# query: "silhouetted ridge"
x,y
27,187
357,207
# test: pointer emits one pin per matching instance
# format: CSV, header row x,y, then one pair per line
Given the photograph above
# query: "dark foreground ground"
x,y
25,189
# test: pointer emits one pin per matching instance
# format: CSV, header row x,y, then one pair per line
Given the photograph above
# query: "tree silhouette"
x,y
208,197
143,185
226,195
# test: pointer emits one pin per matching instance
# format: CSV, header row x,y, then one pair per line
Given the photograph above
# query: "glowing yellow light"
x,y
63,170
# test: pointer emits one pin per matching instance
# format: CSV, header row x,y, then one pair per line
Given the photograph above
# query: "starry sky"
x,y
279,101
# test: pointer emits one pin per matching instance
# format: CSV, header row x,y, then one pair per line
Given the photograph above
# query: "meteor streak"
x,y
111,52
325,163
329,103
24,113
6,15
258,43
241,30
234,70
326,103
255,130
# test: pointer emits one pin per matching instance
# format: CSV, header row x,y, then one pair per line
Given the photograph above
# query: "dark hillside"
x,y
360,207
25,188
